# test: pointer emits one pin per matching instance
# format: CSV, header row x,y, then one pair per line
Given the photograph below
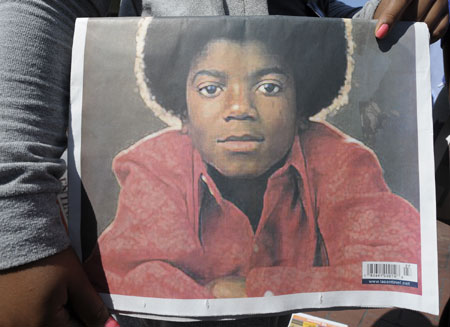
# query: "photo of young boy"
x,y
249,198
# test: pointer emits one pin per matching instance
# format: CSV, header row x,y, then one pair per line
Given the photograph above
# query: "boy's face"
x,y
241,108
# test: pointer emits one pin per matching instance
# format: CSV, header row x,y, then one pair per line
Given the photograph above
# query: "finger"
x,y
60,319
87,304
83,298
439,31
387,13
435,15
437,20
417,10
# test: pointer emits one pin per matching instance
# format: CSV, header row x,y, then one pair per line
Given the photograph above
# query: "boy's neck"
x,y
245,193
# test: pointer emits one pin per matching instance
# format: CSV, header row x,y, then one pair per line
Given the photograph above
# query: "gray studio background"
x,y
381,111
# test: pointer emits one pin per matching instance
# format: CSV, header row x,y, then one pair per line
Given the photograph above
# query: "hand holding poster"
x,y
246,182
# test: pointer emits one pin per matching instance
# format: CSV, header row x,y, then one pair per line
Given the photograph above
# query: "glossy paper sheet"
x,y
234,166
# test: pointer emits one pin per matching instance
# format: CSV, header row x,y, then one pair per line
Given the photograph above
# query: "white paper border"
x,y
263,305
429,301
74,144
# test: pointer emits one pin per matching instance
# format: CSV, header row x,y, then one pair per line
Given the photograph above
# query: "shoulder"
x,y
167,152
334,157
322,140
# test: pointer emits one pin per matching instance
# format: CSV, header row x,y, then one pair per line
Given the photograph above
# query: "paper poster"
x,y
233,166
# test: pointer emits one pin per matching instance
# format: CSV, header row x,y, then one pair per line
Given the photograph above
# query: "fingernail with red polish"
x,y
382,31
111,322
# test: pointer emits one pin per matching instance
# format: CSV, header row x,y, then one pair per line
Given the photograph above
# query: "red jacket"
x,y
325,211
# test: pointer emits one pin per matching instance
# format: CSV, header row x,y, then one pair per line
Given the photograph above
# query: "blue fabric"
x,y
340,9
130,8
437,69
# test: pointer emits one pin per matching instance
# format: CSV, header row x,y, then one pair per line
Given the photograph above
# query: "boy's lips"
x,y
241,143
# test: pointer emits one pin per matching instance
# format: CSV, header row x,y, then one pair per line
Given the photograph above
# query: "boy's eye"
x,y
269,88
210,90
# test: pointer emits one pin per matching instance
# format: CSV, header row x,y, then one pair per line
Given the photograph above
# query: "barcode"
x,y
386,270
407,271
389,270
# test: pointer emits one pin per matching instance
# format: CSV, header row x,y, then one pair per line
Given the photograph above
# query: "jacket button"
x,y
255,248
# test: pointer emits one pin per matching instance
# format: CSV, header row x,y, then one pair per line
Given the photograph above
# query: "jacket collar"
x,y
295,160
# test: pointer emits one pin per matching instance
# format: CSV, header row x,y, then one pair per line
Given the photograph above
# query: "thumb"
x,y
84,300
388,13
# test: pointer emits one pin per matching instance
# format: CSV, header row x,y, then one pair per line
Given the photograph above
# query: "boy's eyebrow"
x,y
266,71
212,73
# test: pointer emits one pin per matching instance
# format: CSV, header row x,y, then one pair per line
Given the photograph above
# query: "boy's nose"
x,y
240,105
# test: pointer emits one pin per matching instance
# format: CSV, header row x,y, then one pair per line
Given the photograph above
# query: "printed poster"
x,y
234,166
